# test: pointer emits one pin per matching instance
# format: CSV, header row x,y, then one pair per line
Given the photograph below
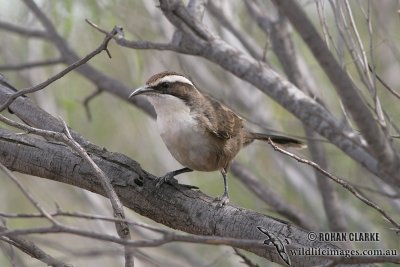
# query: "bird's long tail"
x,y
277,139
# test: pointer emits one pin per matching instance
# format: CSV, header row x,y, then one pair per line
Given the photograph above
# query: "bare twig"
x,y
118,208
284,48
22,30
384,84
4,82
185,238
87,100
86,216
148,45
122,228
120,39
32,64
392,195
361,61
377,140
270,197
338,180
94,25
27,194
33,250
245,259
246,40
166,238
9,251
102,47
193,205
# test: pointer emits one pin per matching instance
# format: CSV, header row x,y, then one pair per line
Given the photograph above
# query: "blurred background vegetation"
x,y
119,126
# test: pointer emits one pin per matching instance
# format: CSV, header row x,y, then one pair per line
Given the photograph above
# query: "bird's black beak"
x,y
141,90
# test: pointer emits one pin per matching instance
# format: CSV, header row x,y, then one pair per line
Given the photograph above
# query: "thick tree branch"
x,y
122,228
204,43
188,210
266,80
274,85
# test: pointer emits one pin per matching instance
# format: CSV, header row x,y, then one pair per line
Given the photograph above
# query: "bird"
x,y
201,133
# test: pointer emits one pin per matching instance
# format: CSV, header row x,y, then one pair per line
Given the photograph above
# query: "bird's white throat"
x,y
181,133
172,113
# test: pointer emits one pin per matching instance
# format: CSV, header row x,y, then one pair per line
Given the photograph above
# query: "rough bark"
x,y
173,205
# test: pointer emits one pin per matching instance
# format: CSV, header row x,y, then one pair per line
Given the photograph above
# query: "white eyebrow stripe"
x,y
174,78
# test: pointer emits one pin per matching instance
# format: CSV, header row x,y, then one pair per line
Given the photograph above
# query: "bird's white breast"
x,y
181,133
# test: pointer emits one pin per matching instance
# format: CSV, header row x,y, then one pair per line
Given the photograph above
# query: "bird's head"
x,y
165,87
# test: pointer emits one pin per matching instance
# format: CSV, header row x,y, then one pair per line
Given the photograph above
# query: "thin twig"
x,y
384,84
246,40
185,238
122,227
87,100
94,25
166,238
363,61
337,180
4,82
245,259
86,216
23,31
32,249
27,194
270,197
103,47
120,39
32,64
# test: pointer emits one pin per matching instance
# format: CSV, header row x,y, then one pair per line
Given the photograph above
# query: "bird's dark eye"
x,y
164,85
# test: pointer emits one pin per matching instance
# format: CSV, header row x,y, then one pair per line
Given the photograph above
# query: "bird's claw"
x,y
163,179
222,200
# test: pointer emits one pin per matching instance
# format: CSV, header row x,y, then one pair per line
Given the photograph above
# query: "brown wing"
x,y
219,119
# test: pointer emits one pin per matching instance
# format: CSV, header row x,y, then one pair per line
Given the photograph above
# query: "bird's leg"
x,y
170,175
224,199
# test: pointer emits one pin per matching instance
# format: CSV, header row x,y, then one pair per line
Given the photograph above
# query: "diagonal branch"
x,y
340,181
377,140
27,194
122,227
284,49
136,189
102,47
188,210
270,197
31,249
285,93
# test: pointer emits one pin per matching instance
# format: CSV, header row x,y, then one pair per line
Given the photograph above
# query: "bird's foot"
x,y
222,200
167,178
